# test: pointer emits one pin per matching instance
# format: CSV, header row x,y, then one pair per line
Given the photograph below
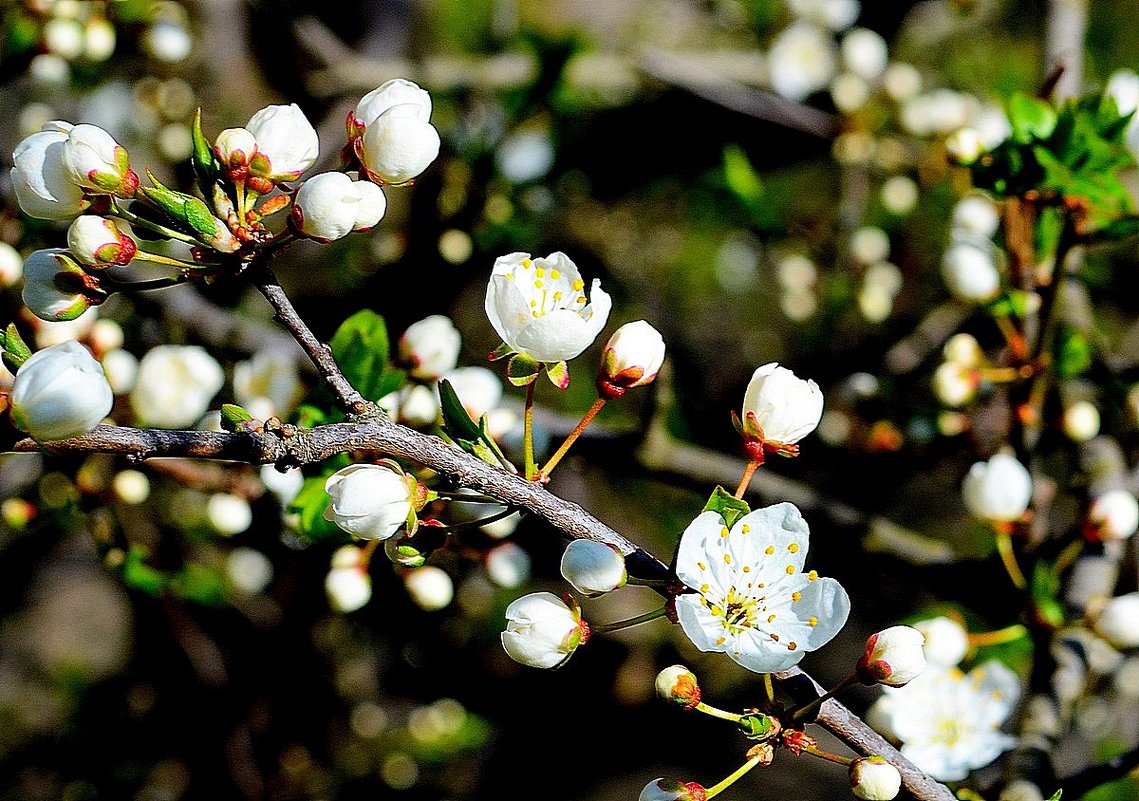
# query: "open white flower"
x,y
780,409
753,601
539,306
175,385
803,59
999,489
949,722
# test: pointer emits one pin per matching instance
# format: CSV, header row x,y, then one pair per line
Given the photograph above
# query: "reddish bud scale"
x,y
696,791
797,741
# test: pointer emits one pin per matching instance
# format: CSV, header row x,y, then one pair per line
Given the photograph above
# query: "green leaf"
x,y
1031,117
141,576
309,505
456,422
185,209
741,177
727,506
1073,353
309,416
16,351
1056,795
200,584
361,349
233,416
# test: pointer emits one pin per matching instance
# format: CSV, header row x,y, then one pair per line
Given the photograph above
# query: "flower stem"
x,y
482,521
829,757
739,772
712,711
810,706
528,433
1013,337
769,688
604,628
154,258
642,582
549,466
998,637
142,222
1008,559
366,553
749,471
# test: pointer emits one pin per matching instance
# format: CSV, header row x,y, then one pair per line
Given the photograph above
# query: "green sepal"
x,y
1056,795
501,352
1031,118
16,351
558,373
726,506
758,726
522,369
186,209
233,417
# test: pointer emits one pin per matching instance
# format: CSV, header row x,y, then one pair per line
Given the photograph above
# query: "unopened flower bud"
x,y
542,631
1118,621
946,641
11,265
98,242
593,568
1081,421
963,350
396,92
965,146
228,514
677,684
780,409
508,565
235,148
60,392
348,585
331,205
632,358
668,789
976,215
893,656
999,489
874,779
430,347
43,184
372,501
759,726
970,272
286,138
954,384
98,163
397,146
56,288
1113,516
429,587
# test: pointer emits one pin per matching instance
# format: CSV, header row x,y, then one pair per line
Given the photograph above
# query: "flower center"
x,y
547,289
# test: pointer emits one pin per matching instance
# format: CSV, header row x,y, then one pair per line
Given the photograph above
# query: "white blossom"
x,y
11,265
779,408
285,486
999,489
331,205
391,133
174,385
539,307
248,570
976,215
479,390
946,641
60,392
949,722
121,367
347,586
508,565
893,656
541,630
1117,621
286,138
955,384
970,272
593,568
864,53
372,501
43,184
270,376
235,147
1081,421
430,346
44,272
97,162
412,100
228,514
752,599
802,60
429,587
1114,515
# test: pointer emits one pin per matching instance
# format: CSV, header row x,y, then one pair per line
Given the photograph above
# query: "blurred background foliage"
x,y
639,137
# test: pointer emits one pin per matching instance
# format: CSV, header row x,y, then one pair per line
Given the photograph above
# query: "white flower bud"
x,y
954,384
893,656
98,242
131,486
248,570
347,586
561,322
411,100
780,408
1081,421
668,789
270,376
286,138
121,367
98,39
429,587
864,53
54,286
593,568
331,205
632,357
902,81
900,194
60,392
964,145
235,147
430,346
228,514
998,490
541,631
1118,621
678,685
874,779
397,147
946,641
418,406
175,385
970,272
976,215
964,350
106,335
168,40
98,163
63,37
802,60
372,206
11,265
479,390
1114,515
43,184
372,501
508,565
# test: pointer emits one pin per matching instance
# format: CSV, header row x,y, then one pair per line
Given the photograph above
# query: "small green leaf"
x,y
456,422
1073,353
310,416
361,348
141,576
741,177
309,505
198,583
16,351
233,417
727,506
1031,117
1056,795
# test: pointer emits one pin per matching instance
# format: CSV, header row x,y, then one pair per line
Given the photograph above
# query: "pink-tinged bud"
x,y
874,779
677,684
98,163
593,568
43,184
542,631
779,409
286,139
236,148
632,358
668,789
56,288
98,242
893,657
331,205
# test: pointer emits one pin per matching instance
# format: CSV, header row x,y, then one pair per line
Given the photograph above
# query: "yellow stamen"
x,y
812,621
811,576
796,596
770,550
745,528
526,263
790,569
555,274
793,547
727,559
578,285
